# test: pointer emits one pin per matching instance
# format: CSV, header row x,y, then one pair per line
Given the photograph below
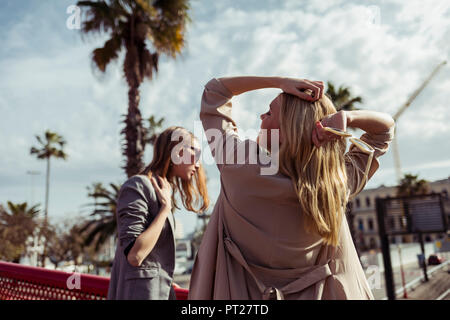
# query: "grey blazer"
x,y
137,206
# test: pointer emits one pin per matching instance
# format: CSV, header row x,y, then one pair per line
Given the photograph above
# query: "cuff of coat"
x,y
379,141
217,86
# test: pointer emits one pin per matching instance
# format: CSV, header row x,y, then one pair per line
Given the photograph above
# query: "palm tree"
x,y
133,25
342,97
50,146
103,225
16,227
411,185
152,129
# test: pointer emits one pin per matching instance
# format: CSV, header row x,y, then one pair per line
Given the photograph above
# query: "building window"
x,y
360,225
358,203
445,194
370,222
368,201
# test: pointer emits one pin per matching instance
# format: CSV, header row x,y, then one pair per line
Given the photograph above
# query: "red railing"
x,y
19,282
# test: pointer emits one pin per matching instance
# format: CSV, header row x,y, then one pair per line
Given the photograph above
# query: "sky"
x,y
382,50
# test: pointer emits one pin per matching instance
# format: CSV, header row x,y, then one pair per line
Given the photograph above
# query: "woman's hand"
x,y
336,120
163,191
302,88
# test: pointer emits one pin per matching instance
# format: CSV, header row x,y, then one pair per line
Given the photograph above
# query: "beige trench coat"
x,y
255,245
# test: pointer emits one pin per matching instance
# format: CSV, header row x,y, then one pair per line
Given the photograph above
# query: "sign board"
x,y
406,215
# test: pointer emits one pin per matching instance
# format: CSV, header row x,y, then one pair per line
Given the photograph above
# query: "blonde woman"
x,y
145,256
284,235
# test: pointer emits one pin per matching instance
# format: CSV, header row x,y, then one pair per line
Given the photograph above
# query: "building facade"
x,y
364,215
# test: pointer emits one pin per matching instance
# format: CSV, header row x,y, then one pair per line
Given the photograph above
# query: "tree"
x,y
65,243
50,146
103,224
152,130
342,97
411,185
16,227
145,29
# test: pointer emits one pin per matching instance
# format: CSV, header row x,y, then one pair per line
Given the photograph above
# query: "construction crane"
x,y
401,110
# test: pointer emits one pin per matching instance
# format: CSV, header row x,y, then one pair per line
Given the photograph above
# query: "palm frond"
x,y
100,17
109,52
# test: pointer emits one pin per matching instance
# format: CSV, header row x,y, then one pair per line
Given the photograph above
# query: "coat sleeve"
x,y
220,128
356,161
134,210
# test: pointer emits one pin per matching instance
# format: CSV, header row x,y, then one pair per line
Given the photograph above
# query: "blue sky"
x,y
382,50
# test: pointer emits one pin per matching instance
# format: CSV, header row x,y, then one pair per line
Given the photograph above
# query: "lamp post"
x,y
405,294
35,249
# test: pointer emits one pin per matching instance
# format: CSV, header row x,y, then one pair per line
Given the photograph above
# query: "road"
x,y
437,288
412,272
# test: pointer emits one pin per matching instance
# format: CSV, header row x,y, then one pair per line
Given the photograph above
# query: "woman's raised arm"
x,y
297,87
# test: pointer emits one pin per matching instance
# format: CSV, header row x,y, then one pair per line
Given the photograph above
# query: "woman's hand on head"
x,y
163,190
304,89
336,120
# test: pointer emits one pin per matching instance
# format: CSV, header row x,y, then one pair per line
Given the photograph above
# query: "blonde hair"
x,y
194,192
318,174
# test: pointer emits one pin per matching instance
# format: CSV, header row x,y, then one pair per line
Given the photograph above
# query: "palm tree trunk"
x,y
47,188
47,191
134,132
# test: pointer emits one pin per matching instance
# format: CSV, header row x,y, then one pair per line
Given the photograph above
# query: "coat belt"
x,y
304,280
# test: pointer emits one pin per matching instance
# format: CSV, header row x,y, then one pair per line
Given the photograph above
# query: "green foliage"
x,y
49,146
342,97
17,226
102,225
152,129
411,185
145,29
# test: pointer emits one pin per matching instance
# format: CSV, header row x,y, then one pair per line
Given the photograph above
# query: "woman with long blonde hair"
x,y
145,256
284,235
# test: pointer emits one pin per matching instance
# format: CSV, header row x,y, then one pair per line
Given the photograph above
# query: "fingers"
x,y
317,134
319,84
305,96
161,184
315,86
320,136
315,138
156,187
